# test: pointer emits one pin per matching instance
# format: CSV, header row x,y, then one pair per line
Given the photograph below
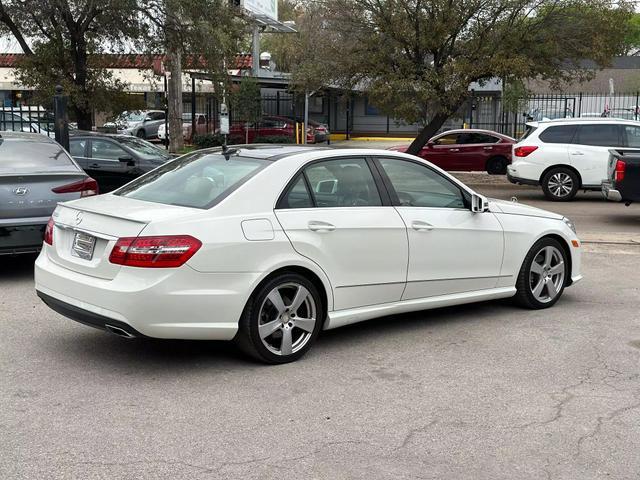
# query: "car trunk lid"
x,y
86,231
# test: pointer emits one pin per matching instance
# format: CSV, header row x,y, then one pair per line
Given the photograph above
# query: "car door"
x,y
111,164
589,153
335,214
151,127
479,149
451,249
443,152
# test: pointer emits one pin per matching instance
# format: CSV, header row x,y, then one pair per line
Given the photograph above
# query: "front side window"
x,y
346,182
106,150
198,180
559,134
451,139
419,186
598,135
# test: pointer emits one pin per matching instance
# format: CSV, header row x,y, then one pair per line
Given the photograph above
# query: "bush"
x,y
208,140
275,139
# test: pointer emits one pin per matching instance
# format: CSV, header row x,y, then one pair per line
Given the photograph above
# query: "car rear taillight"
x,y
524,150
86,187
48,232
154,252
620,169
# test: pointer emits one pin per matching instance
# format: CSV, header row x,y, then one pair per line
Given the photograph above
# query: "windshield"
x,y
132,116
146,150
199,180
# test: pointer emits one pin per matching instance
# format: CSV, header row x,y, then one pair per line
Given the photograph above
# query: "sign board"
x,y
224,124
262,7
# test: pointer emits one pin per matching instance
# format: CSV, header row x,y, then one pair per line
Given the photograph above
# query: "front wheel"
x,y
543,275
281,320
560,184
140,134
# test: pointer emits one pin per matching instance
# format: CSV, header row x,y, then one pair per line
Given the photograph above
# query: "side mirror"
x,y
146,119
479,203
430,144
127,159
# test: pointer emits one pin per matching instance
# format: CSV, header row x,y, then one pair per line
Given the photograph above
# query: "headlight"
x,y
569,224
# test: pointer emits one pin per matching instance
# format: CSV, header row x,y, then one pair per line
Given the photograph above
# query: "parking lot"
x,y
484,391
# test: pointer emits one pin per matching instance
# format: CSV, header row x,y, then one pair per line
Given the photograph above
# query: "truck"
x,y
623,171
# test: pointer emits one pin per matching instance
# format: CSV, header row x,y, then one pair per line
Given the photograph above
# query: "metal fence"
x,y
27,118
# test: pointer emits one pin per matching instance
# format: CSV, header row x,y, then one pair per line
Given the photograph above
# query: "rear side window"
x,y
528,131
607,135
298,195
632,134
558,134
475,138
28,156
198,180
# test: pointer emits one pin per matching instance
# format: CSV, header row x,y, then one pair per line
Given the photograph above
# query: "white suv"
x,y
567,155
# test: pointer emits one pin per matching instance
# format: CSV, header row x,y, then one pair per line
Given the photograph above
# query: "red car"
x,y
468,150
269,126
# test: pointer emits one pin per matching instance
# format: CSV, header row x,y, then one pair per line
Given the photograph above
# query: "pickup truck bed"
x,y
623,171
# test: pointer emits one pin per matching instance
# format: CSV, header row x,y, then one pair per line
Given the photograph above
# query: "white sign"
x,y
224,124
262,7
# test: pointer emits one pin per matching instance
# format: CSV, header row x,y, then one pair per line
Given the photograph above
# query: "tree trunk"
x,y
427,132
84,117
174,82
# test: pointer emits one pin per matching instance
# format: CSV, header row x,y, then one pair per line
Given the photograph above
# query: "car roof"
x,y
578,120
474,130
264,151
26,137
87,133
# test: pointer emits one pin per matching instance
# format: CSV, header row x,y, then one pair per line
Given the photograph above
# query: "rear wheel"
x,y
281,320
543,275
497,166
560,184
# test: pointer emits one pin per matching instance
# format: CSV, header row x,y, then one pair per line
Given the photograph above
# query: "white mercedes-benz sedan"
x,y
268,245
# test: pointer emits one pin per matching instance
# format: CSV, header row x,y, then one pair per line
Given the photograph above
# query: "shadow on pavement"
x,y
17,267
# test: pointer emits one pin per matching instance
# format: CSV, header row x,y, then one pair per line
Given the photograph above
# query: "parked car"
x,y
567,155
468,150
114,160
319,130
139,123
201,127
623,181
35,174
270,126
248,244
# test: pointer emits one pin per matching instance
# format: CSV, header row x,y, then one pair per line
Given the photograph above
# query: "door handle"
x,y
421,226
317,226
488,148
94,165
577,153
454,149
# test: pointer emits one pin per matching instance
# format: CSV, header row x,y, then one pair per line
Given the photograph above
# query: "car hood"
x,y
515,208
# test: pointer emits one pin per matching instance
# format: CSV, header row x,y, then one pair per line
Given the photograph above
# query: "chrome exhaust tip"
x,y
118,331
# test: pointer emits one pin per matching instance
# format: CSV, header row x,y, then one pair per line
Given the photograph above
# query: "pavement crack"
x,y
412,433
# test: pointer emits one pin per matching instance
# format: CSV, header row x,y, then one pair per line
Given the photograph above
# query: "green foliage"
x,y
632,37
208,140
515,95
275,139
246,101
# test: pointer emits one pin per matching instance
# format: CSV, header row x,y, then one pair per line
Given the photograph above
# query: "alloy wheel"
x,y
287,319
560,184
546,275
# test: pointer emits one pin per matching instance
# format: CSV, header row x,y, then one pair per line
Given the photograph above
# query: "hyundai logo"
x,y
21,190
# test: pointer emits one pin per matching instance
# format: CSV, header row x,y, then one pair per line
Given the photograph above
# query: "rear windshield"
x,y
198,180
28,156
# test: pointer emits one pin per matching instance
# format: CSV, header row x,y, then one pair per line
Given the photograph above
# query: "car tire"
x,y
543,275
271,328
497,166
140,134
560,184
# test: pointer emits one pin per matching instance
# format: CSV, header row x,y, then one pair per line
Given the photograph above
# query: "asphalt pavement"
x,y
486,391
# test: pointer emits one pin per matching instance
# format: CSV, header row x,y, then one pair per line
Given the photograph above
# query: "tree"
x,y
246,103
61,40
418,58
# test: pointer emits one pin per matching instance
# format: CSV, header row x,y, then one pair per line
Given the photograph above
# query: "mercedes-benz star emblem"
x,y
21,190
78,218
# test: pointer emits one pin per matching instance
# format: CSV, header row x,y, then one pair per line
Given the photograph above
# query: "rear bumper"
x,y
16,239
86,317
521,181
176,303
610,193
